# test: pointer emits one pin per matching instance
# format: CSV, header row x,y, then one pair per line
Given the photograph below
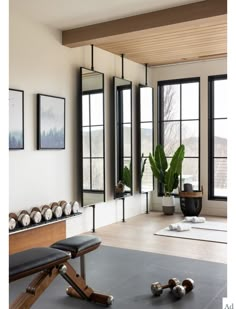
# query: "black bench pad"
x,y
33,260
78,244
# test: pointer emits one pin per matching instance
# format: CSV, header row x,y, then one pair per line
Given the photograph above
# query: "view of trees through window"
x,y
178,123
93,153
146,136
218,136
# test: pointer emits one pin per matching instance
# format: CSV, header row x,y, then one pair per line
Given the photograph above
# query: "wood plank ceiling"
x,y
181,34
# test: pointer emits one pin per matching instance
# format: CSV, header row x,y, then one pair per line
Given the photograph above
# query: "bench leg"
x,y
35,289
81,290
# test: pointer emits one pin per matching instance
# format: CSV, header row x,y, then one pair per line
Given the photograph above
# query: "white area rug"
x,y
207,231
208,225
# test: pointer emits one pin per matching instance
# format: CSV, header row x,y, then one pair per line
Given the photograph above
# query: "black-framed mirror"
x,y
146,134
92,135
122,94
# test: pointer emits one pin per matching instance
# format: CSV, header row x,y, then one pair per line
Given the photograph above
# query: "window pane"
x,y
127,140
146,104
86,174
171,102
96,106
190,137
146,138
86,148
220,98
147,179
85,110
171,137
97,141
220,177
190,101
190,172
220,138
127,105
97,174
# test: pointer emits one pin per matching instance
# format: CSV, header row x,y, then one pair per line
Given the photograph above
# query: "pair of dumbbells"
x,y
178,290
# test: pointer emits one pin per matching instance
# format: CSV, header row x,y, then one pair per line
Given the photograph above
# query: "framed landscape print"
x,y
16,119
50,122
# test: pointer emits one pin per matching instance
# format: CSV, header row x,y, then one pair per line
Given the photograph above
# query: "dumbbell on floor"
x,y
157,288
181,290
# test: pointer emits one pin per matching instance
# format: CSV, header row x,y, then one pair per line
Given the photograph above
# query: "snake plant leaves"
x,y
143,166
160,158
171,177
127,176
154,168
168,176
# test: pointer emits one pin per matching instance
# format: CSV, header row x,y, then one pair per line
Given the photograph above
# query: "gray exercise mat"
x,y
128,274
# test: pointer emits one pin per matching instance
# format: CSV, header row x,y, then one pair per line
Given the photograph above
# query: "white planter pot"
x,y
168,205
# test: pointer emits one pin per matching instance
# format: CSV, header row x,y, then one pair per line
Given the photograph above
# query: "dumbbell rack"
x,y
19,229
40,234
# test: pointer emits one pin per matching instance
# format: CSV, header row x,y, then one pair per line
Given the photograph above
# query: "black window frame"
x,y
90,157
139,142
160,191
120,135
211,119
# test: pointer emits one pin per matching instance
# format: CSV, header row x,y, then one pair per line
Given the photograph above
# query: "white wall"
x,y
198,69
40,64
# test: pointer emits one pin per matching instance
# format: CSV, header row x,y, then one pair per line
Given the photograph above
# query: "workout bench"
x,y
48,263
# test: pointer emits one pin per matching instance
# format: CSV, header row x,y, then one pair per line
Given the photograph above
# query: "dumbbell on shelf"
x,y
56,210
157,288
75,207
24,218
181,290
36,215
12,221
46,212
66,207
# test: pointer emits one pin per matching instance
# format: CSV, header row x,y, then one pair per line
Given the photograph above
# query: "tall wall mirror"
x,y
146,134
123,137
92,144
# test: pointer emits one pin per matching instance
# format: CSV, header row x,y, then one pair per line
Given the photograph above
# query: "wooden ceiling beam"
x,y
93,34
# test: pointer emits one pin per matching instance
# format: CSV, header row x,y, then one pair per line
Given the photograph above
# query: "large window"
x,y
217,181
179,123
93,136
124,130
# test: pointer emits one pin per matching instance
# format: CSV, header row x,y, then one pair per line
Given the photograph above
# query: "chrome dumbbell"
x,y
56,210
46,213
75,207
181,290
24,218
157,288
12,221
66,207
36,215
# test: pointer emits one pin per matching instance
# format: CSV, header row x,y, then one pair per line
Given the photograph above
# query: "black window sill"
x,y
217,198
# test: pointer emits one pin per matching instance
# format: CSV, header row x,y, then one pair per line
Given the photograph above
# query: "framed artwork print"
x,y
16,119
50,122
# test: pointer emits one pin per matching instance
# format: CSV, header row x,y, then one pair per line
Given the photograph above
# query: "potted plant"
x,y
168,175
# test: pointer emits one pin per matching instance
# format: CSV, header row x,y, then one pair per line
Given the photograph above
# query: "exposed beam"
x,y
93,34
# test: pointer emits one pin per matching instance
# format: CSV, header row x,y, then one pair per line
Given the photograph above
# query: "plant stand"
x,y
191,202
